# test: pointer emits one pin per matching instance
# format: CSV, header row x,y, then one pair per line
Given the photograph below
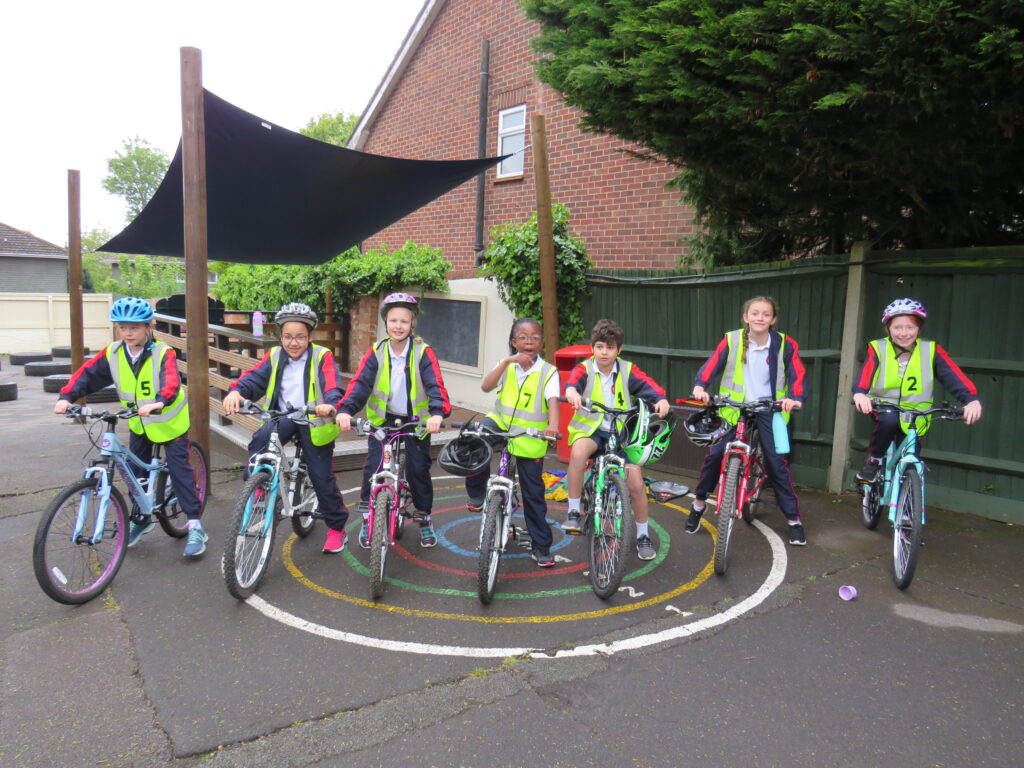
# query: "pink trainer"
x,y
336,541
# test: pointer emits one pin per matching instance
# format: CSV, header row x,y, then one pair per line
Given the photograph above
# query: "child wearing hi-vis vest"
x,y
399,378
607,379
755,362
901,369
295,374
145,375
527,397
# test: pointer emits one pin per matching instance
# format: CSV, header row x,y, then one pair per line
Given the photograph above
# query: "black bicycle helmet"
x,y
465,455
705,427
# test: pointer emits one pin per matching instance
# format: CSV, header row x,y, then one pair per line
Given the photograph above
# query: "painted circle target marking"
x,y
775,577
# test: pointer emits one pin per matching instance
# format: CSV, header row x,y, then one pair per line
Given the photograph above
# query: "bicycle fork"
x,y
383,479
507,486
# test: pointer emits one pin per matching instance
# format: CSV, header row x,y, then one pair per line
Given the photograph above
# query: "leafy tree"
x,y
333,129
512,260
800,126
135,173
350,276
142,276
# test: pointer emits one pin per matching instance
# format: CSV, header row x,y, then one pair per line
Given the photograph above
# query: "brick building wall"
x,y
618,204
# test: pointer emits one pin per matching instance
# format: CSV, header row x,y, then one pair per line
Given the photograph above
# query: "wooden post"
x,y
545,237
193,171
853,317
75,269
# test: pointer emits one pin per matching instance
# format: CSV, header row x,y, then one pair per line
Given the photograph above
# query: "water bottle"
x,y
780,433
257,323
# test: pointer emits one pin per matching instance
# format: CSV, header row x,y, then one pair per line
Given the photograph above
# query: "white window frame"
x,y
506,133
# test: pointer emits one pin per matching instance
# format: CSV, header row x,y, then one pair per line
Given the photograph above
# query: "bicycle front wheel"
x,y
380,540
68,566
490,546
907,529
727,514
174,521
250,538
304,506
610,537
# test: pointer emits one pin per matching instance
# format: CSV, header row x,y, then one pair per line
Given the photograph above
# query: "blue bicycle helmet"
x,y
131,310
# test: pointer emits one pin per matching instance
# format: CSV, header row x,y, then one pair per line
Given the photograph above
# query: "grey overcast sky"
x,y
77,78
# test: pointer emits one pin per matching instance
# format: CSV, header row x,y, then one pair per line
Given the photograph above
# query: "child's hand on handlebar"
x,y
232,402
862,403
433,424
972,412
325,411
662,407
700,394
150,408
344,421
787,404
573,398
61,406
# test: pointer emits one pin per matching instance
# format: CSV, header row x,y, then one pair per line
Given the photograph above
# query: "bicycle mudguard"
x,y
665,490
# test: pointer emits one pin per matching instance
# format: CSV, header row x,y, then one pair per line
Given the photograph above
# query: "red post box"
x,y
566,359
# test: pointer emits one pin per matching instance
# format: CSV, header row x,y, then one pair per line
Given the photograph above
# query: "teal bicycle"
x,y
82,536
899,487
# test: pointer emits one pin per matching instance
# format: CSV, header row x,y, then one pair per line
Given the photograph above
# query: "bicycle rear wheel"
x,y
69,567
726,514
304,506
610,537
250,538
380,540
870,505
489,557
173,519
907,529
755,485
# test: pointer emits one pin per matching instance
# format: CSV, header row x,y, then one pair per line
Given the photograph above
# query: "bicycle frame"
x,y
120,456
502,481
391,475
739,446
907,457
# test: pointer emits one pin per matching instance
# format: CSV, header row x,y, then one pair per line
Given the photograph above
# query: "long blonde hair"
x,y
746,328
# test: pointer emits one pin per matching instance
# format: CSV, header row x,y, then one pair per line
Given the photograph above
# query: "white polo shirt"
x,y
757,382
398,398
293,375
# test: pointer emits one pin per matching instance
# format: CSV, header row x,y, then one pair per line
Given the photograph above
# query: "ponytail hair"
x,y
745,338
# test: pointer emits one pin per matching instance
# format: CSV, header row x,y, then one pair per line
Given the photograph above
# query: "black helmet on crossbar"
x,y
465,455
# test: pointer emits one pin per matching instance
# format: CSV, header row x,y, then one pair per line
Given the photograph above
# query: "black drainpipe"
x,y
481,147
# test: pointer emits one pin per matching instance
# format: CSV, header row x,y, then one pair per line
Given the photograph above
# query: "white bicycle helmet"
x,y
296,312
399,299
903,307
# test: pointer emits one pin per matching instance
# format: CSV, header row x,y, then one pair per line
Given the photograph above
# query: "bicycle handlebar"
x,y
945,410
590,405
249,407
85,411
482,430
364,427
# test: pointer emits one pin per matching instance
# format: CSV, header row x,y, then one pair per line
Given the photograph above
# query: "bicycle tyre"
x,y
249,540
173,519
489,557
753,479
303,522
75,572
870,505
907,530
726,514
610,538
380,541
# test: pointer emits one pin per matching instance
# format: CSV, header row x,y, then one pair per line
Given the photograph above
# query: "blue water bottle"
x,y
780,433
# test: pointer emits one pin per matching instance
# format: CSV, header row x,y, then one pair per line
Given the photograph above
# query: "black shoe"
x,y
869,472
796,535
693,521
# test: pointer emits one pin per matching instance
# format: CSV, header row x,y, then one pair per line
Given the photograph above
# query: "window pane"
x,y
512,119
514,164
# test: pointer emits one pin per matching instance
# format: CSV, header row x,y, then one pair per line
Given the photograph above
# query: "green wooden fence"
x,y
672,323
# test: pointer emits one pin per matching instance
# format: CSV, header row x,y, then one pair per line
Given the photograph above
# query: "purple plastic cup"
x,y
847,592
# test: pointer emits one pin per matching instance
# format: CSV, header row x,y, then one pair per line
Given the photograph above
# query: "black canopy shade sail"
x,y
277,197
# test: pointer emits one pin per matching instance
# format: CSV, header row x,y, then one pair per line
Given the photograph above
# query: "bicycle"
x,y
82,536
742,475
608,521
277,487
900,484
390,495
501,501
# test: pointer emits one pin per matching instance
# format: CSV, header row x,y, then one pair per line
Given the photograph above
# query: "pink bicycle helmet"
x,y
399,299
903,307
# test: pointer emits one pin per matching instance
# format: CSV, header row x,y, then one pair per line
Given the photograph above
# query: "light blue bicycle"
x,y
83,535
899,486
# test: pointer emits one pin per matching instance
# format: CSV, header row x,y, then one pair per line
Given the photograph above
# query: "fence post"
x,y
853,316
